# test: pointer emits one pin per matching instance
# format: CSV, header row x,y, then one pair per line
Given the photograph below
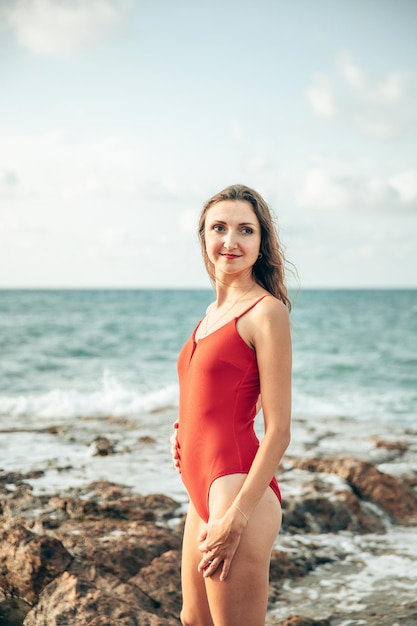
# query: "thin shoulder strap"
x,y
252,305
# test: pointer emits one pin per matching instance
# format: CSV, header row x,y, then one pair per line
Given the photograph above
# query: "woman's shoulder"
x,y
269,313
268,305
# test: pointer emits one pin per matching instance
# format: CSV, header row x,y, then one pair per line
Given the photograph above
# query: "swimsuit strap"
x,y
252,305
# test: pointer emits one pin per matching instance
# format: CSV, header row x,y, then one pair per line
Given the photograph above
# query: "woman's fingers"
x,y
225,569
174,451
219,552
204,563
208,565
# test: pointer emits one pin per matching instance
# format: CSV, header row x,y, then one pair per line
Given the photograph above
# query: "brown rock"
x,y
300,558
83,597
101,446
16,478
103,499
283,566
71,600
121,549
146,439
13,611
389,493
297,620
72,557
161,581
389,445
323,507
383,612
28,562
18,503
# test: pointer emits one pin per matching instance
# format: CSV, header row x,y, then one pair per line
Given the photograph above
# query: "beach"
x,y
89,396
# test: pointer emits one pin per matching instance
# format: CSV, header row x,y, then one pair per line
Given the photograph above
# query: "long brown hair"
x,y
269,269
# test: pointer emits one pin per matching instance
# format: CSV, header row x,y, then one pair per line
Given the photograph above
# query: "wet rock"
x,y
79,559
54,430
283,566
297,620
119,549
80,599
16,478
324,505
101,446
367,482
161,581
103,499
383,613
28,562
86,598
124,553
13,611
146,439
296,561
389,445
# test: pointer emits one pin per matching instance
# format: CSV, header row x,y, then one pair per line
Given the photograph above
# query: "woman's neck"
x,y
232,287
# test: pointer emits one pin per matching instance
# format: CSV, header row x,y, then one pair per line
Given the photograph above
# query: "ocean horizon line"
x,y
202,288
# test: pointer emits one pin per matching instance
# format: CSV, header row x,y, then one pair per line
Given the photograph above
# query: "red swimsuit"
x,y
219,388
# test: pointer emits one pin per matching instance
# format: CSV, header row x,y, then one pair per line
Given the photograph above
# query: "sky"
x,y
119,118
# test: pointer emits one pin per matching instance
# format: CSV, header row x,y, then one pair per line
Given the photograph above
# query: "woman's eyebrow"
x,y
241,224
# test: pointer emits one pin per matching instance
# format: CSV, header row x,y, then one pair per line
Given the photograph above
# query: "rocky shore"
x,y
102,555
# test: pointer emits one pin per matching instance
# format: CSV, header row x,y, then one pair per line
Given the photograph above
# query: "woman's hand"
x,y
175,448
219,542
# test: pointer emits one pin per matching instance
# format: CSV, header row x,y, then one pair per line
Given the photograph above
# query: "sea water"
x,y
73,353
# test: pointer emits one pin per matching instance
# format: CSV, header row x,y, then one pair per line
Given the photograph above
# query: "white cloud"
x,y
321,189
391,87
47,165
237,131
259,163
335,187
320,96
405,184
171,184
188,221
119,242
52,28
9,181
352,73
381,106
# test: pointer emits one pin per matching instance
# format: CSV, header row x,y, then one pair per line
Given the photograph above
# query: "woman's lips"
x,y
231,256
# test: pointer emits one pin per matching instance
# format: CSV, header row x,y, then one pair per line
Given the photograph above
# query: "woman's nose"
x,y
229,241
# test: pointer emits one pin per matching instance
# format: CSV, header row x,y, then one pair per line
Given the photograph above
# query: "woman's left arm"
x,y
272,342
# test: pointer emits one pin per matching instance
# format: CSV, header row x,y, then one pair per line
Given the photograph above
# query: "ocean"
x,y
71,353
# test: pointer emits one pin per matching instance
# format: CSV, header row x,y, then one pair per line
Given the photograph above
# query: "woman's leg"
x,y
195,608
241,600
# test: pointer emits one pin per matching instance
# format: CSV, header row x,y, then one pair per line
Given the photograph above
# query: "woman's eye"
x,y
219,228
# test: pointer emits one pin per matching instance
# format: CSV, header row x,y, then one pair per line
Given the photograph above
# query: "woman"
x,y
237,360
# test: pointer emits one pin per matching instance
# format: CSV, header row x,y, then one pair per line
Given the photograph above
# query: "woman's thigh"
x,y
241,600
195,607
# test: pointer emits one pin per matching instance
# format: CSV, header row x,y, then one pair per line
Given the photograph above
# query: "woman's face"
x,y
233,236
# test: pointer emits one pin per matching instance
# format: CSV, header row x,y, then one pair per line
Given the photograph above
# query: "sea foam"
x,y
109,398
